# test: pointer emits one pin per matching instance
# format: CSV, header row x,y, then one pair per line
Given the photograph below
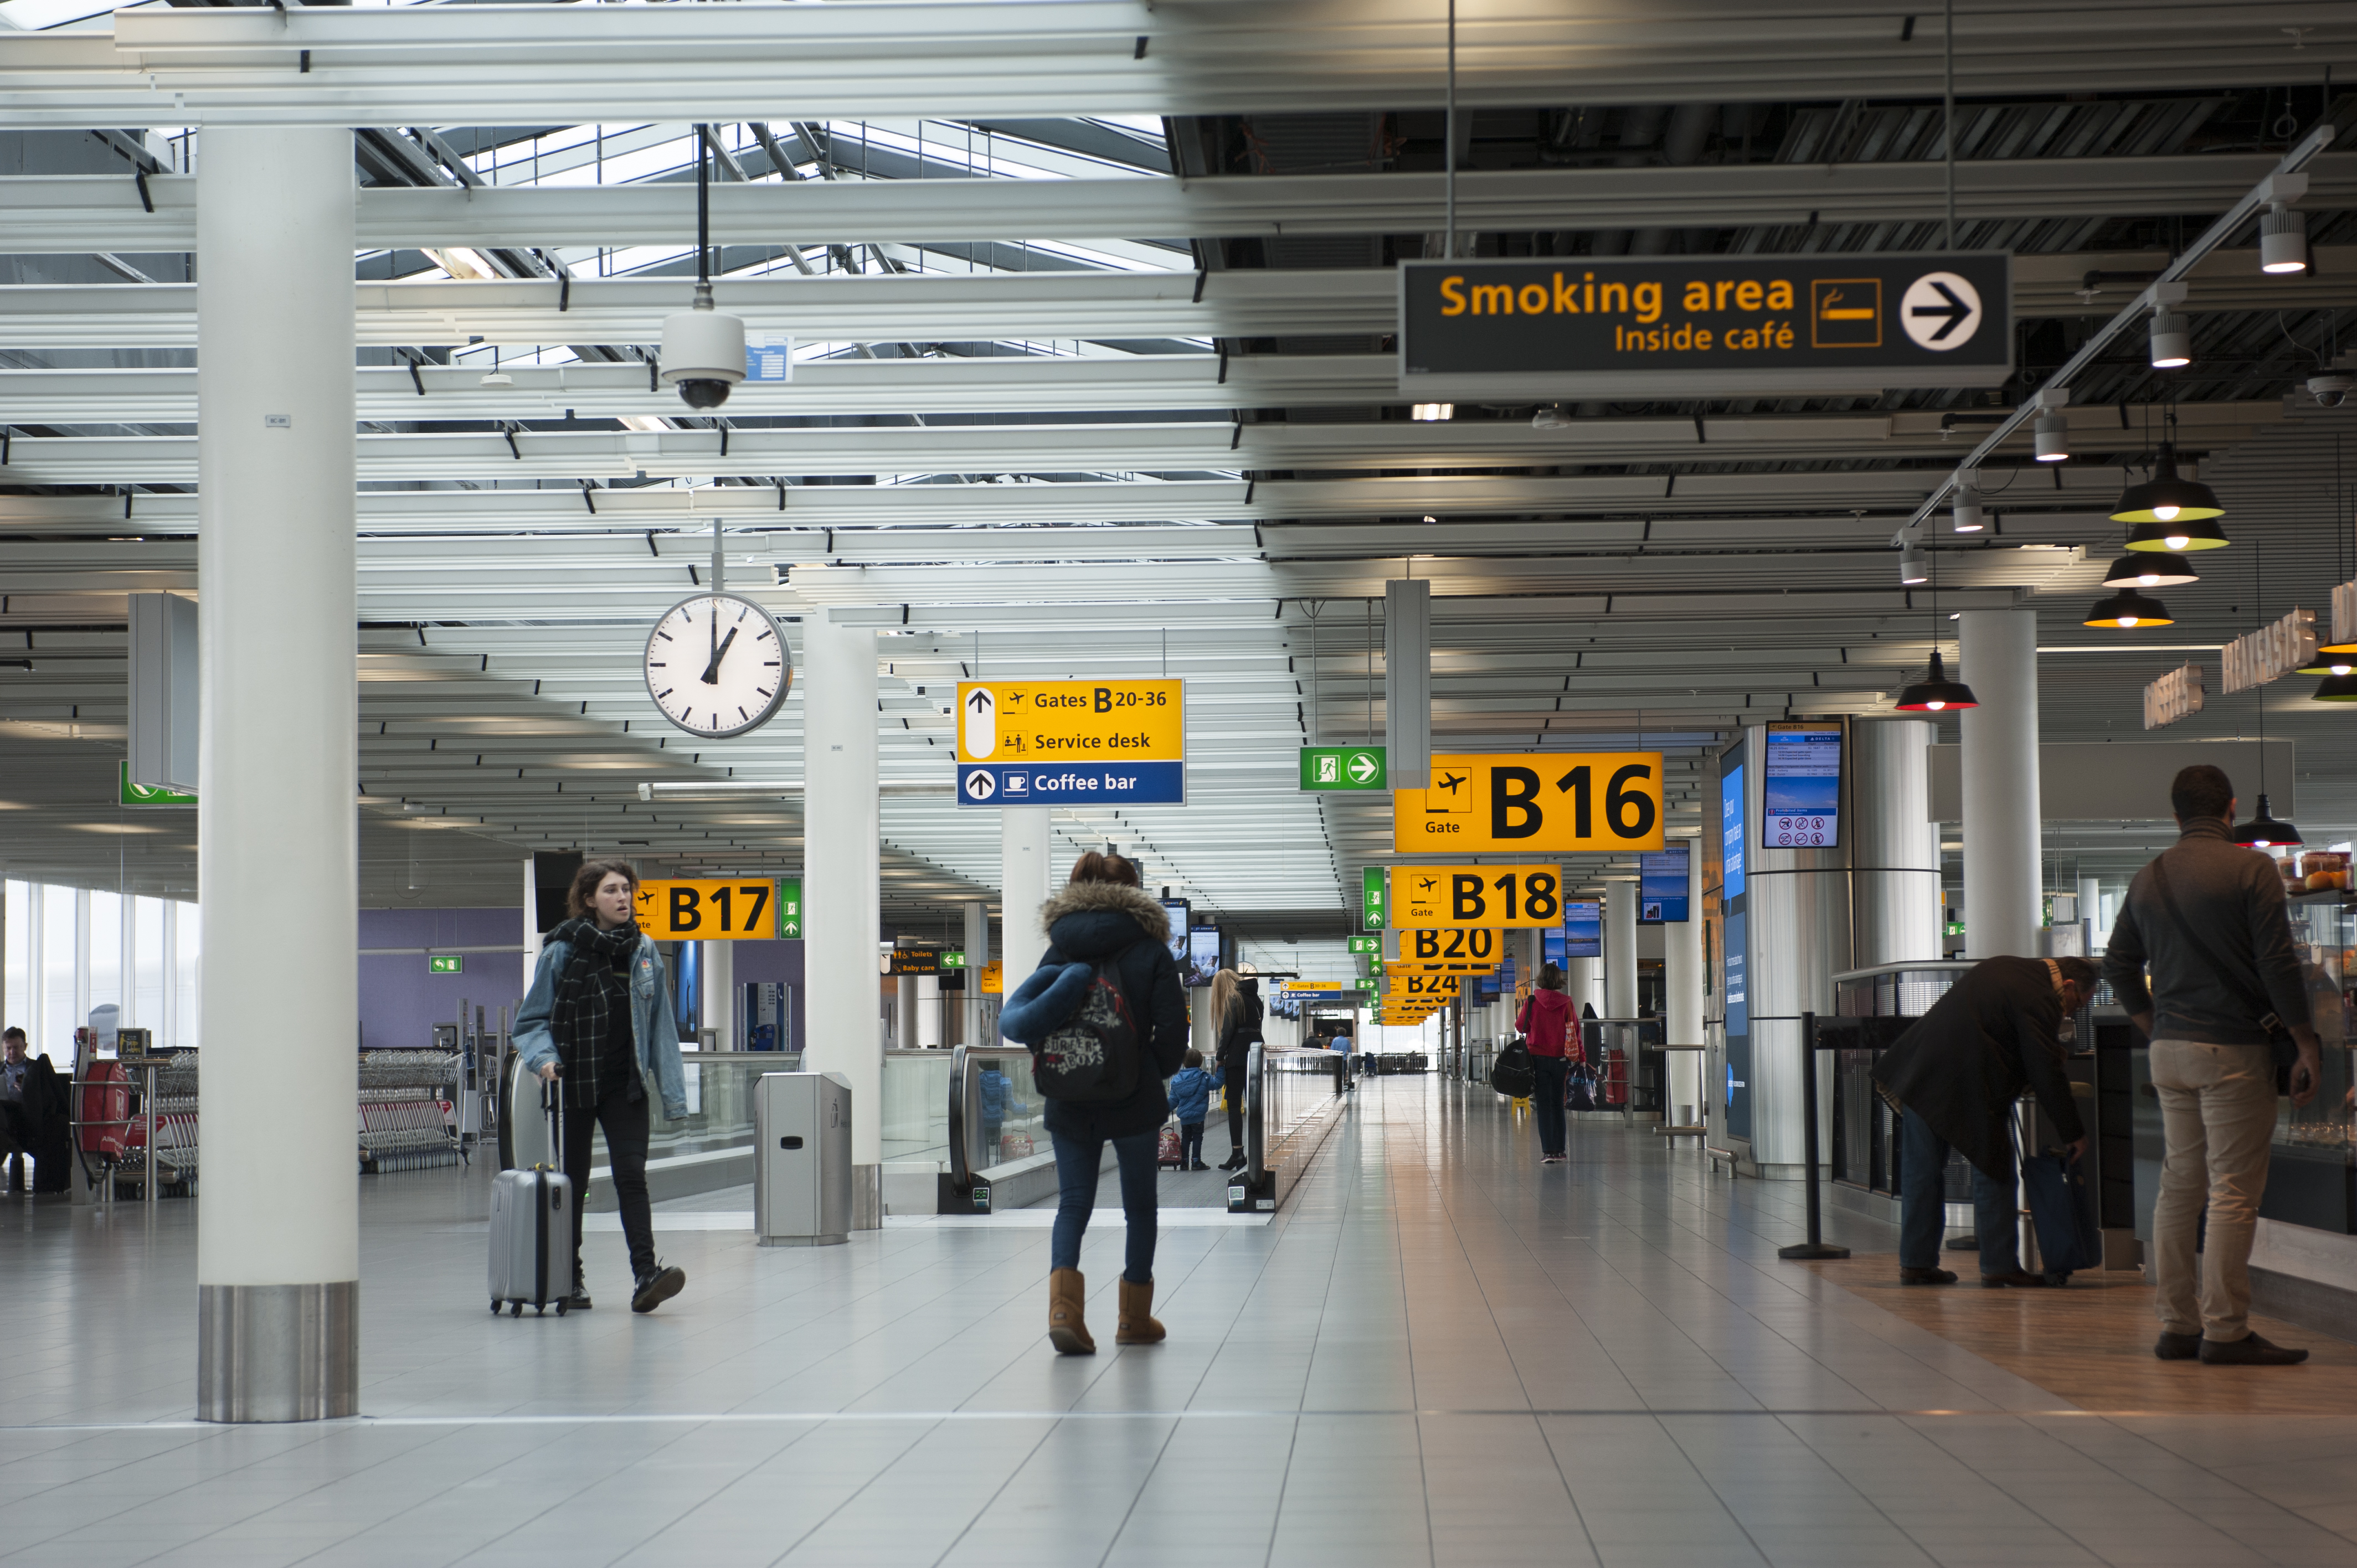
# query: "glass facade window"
x,y
144,1004
53,1034
18,968
105,953
67,951
185,947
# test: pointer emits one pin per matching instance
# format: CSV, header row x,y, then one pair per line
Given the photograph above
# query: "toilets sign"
x,y
1072,743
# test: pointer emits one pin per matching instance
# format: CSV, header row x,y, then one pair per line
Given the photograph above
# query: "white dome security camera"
x,y
2330,392
702,352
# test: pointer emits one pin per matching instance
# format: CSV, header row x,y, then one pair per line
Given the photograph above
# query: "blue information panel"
x,y
1583,929
1800,794
1072,784
1730,827
1738,1030
1661,892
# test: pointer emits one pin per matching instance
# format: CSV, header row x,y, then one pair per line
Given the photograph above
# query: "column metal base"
x,y
867,1198
270,1353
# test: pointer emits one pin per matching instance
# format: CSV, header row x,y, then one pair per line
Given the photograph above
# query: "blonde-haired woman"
x,y
1235,1028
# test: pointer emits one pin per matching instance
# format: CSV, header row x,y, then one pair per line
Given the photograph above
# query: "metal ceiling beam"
x,y
83,213
441,64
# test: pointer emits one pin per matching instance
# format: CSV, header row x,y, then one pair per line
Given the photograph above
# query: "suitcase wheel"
x,y
495,1306
560,1309
517,1311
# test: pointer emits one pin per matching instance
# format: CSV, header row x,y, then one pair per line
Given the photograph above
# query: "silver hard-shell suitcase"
x,y
532,1228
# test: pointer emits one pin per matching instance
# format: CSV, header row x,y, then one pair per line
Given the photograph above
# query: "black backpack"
x,y
1511,1074
1093,1055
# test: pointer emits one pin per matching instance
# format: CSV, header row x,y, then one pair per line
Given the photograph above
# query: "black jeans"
x,y
625,1121
1191,1145
1235,1121
1546,1099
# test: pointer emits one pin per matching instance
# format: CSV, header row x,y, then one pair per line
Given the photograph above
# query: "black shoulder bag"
x,y
2279,1041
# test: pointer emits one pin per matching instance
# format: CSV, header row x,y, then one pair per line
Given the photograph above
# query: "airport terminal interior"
x,y
656,538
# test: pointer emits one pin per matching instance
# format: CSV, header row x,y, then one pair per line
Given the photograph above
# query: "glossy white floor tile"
x,y
1440,1353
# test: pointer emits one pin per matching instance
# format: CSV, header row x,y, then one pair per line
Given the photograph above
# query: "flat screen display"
x,y
1583,929
1801,792
1202,955
1551,947
1179,911
1730,827
1661,886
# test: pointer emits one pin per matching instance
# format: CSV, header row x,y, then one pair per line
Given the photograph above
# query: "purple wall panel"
x,y
400,1002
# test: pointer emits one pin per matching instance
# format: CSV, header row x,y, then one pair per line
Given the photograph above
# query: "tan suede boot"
x,y
1066,1292
1137,1325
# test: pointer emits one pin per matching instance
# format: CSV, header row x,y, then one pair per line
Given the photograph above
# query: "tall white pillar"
x,y
1025,866
1620,951
717,987
1895,861
904,1013
277,1213
1682,982
843,914
2003,896
977,953
927,1034
1582,984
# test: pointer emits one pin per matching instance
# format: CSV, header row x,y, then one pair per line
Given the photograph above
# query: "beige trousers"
x,y
2218,1113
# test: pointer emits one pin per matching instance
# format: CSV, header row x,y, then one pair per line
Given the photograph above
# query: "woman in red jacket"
x,y
1545,1021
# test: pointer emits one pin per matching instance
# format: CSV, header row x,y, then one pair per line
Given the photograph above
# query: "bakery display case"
x,y
2312,1173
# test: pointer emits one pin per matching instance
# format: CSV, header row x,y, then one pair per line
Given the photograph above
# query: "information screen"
x,y
1730,827
1800,795
1202,955
1551,947
1583,929
1179,911
1661,886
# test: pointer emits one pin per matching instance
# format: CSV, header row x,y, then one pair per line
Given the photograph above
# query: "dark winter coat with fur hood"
x,y
1092,922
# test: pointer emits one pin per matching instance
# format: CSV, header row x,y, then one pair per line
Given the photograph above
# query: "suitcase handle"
x,y
552,1105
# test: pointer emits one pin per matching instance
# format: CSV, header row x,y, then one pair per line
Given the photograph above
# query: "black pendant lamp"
x,y
2175,538
2329,661
2167,497
2267,830
1936,693
2151,569
2128,609
2337,688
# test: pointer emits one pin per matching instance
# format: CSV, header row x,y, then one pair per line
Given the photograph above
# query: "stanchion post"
x,y
1814,1247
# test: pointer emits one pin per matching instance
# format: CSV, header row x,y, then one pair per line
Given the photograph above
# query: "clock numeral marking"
x,y
665,692
768,664
764,694
664,635
657,665
743,715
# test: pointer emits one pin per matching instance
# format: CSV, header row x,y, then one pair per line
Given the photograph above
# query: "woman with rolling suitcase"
x,y
596,1021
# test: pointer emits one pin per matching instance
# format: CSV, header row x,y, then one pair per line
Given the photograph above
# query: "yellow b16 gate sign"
x,y
708,911
1553,802
1513,895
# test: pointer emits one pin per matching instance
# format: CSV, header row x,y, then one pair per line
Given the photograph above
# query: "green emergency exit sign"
x,y
790,909
446,964
1343,768
1374,897
1366,944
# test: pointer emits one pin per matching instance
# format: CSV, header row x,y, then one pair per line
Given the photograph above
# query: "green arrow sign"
x,y
1343,768
1366,944
952,961
148,794
1374,897
790,907
446,964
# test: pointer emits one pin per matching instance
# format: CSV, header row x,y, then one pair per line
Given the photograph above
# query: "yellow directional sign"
x,y
1552,802
1070,721
708,911
1413,987
1458,947
1516,896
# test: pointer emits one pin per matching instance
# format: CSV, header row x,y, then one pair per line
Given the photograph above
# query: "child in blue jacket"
x,y
1191,1101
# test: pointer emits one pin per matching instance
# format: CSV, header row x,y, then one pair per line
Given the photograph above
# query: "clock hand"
x,y
712,671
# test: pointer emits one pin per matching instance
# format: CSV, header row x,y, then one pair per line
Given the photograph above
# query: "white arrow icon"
x,y
978,715
980,784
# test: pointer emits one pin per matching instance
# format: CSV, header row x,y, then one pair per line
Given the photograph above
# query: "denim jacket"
x,y
654,1027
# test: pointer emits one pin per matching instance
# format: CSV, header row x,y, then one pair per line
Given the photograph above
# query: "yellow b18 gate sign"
x,y
1513,895
707,911
1554,803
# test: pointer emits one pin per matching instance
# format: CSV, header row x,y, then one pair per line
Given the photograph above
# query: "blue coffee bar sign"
x,y
1072,784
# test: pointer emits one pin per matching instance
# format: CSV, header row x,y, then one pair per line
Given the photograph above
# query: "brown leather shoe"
x,y
1066,1292
1137,1325
2021,1278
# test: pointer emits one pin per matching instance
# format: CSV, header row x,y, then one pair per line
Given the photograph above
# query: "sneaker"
x,y
1554,1159
658,1287
2178,1346
579,1300
2019,1279
2249,1351
1926,1277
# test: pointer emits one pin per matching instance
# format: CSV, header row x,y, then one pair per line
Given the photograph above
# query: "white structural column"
x,y
2091,915
1583,983
1025,866
904,1013
1682,982
1620,951
2002,840
277,1213
929,1012
1895,865
977,953
843,915
717,986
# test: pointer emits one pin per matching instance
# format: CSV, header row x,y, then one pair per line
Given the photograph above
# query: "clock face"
x,y
717,666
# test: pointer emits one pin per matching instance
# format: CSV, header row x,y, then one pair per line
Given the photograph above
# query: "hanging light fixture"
x,y
1936,693
2283,239
2053,436
2265,830
2172,341
2176,538
1966,514
2128,609
1913,571
2167,497
2324,663
2337,688
2151,569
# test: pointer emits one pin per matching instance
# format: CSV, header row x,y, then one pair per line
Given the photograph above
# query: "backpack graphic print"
x,y
1094,1054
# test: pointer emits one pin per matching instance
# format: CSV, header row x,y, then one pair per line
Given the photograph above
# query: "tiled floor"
x,y
1441,1353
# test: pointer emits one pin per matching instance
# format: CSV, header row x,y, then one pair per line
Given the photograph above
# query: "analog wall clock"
x,y
717,665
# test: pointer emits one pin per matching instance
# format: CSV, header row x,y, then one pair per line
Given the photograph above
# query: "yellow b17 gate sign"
x,y
1550,802
708,911
1513,895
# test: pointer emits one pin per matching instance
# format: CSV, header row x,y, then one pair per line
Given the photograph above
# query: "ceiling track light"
x,y
2151,569
1966,515
2128,609
1936,693
2267,830
2283,241
2172,341
2053,436
1431,413
1913,570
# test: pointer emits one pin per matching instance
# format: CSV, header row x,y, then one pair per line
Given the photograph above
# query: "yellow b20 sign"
x,y
1454,946
708,911
1554,803
1511,896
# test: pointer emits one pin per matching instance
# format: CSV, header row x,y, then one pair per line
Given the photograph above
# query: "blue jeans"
x,y
1922,1203
1546,1099
1076,1160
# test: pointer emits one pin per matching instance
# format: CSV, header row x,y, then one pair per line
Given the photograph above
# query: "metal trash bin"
x,y
801,1159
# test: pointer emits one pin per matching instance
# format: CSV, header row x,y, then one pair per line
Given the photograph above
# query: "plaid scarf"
x,y
591,1017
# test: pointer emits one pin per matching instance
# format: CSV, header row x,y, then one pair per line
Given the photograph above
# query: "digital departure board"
x,y
1662,885
1583,929
1801,792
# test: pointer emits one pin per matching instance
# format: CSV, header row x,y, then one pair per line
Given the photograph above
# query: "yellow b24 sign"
x,y
708,911
1517,895
1554,802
